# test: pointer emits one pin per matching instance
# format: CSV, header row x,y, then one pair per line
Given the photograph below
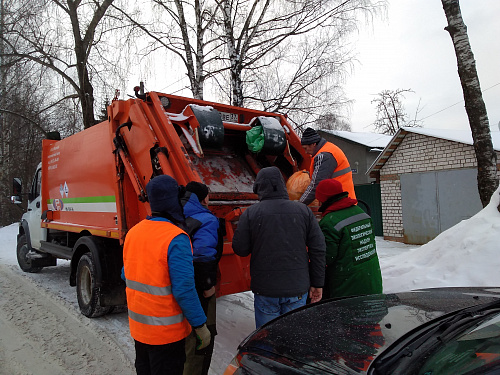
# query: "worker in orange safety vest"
x,y
329,161
162,301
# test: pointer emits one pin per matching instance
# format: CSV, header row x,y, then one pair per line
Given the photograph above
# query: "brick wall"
x,y
417,153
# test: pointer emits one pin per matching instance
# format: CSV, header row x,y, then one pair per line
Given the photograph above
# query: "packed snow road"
x,y
39,336
42,330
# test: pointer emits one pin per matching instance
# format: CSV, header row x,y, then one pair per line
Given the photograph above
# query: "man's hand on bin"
x,y
202,337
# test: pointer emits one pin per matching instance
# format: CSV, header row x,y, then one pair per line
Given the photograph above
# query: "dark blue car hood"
x,y
344,336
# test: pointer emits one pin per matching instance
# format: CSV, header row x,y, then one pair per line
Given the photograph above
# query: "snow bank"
x,y
464,255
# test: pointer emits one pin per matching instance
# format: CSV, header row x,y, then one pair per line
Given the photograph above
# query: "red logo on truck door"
x,y
58,204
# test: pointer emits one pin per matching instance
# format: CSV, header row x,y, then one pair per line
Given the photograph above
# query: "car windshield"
x,y
476,348
466,342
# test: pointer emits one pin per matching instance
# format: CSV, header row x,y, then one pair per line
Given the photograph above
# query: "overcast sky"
x,y
410,49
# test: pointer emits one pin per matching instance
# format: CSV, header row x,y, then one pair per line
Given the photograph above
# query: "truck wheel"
x,y
87,293
22,256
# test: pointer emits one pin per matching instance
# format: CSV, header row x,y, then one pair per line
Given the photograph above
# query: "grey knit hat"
x,y
309,137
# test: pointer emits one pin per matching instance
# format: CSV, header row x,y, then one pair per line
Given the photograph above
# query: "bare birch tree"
x,y
391,114
60,36
274,53
487,175
186,29
255,29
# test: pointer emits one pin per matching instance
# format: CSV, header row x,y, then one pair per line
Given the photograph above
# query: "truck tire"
x,y
87,293
22,256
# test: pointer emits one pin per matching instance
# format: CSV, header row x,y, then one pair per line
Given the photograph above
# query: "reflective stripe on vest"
x,y
341,172
156,320
350,220
149,289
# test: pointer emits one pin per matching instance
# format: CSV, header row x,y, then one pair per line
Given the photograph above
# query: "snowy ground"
x,y
43,332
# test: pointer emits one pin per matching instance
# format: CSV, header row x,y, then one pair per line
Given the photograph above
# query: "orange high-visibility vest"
x,y
155,317
342,173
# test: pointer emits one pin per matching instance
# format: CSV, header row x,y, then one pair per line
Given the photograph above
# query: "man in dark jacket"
x,y
203,229
287,248
351,255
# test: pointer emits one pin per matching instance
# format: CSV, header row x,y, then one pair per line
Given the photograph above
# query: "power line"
x,y
171,84
444,109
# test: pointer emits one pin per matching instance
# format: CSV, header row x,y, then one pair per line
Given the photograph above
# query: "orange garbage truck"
x,y
89,188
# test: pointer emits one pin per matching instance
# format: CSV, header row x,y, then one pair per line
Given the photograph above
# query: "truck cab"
x,y
31,234
34,212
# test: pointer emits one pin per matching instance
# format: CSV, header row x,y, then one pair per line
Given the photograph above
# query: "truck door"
x,y
34,212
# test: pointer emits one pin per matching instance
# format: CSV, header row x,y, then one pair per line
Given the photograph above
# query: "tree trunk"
x,y
487,178
86,96
236,85
82,48
194,70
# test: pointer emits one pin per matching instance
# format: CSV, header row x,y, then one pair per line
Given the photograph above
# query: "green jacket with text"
x,y
351,255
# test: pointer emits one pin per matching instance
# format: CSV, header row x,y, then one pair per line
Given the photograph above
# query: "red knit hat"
x,y
328,188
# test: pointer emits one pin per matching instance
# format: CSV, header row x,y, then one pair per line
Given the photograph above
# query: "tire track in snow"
x,y
41,337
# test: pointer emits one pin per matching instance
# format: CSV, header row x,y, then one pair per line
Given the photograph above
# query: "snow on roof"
x,y
374,140
462,136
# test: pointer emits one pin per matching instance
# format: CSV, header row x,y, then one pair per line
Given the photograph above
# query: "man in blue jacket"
x,y
161,297
203,228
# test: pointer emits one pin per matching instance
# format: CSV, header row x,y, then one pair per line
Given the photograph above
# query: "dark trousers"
x,y
198,361
165,359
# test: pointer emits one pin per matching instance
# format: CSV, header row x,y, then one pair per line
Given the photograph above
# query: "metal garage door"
x,y
435,201
370,194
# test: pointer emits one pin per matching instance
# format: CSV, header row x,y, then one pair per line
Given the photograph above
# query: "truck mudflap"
x,y
113,295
